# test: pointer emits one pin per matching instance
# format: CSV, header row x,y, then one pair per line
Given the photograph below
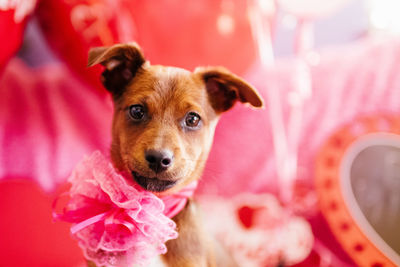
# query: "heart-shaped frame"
x,y
333,186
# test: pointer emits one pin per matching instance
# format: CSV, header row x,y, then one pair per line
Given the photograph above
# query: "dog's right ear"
x,y
121,62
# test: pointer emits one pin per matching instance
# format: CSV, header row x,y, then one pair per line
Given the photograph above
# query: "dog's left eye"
x,y
137,112
192,120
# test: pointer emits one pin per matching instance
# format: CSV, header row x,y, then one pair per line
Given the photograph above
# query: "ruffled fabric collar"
x,y
117,223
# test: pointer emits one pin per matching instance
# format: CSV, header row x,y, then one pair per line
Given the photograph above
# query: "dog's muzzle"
x,y
153,184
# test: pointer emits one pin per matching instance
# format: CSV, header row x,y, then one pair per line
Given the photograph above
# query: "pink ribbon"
x,y
109,216
176,202
113,215
92,220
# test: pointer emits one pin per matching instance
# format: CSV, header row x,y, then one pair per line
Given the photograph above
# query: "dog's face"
x,y
165,117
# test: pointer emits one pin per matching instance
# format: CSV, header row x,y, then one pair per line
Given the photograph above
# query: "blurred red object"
x,y
178,33
28,235
11,34
257,230
332,194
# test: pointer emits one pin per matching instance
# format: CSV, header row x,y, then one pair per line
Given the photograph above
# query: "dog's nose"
x,y
159,160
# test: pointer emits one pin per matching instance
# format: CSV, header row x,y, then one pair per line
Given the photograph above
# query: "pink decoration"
x,y
257,230
116,222
49,120
310,9
285,139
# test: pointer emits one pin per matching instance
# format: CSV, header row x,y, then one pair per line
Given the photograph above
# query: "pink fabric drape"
x,y
49,119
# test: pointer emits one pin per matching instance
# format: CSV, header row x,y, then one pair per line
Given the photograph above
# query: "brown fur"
x,y
169,94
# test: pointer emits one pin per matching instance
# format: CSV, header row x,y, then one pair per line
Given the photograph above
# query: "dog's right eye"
x,y
136,112
192,120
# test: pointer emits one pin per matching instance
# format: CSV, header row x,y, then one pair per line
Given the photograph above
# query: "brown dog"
x,y
163,127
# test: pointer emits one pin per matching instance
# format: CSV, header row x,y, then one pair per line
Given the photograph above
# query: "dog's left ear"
x,y
121,62
225,88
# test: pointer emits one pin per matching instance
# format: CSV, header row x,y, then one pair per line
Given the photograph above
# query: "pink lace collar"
x,y
117,223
